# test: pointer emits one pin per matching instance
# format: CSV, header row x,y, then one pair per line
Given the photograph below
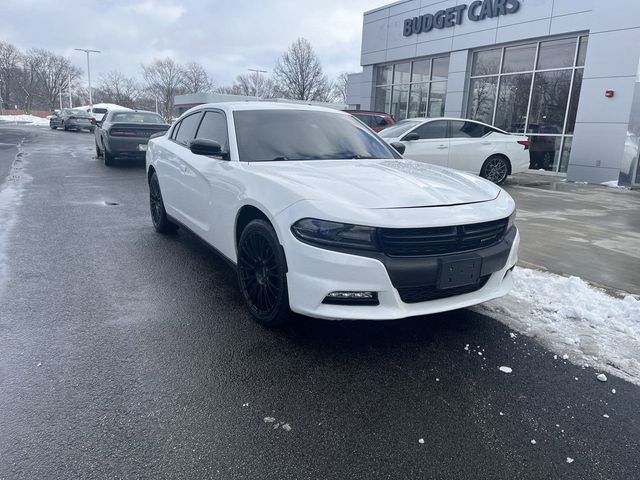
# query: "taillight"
x,y
123,133
524,143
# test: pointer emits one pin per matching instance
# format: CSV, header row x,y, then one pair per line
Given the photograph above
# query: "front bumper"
x,y
315,272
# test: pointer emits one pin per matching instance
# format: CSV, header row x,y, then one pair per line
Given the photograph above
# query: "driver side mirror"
x,y
399,147
200,146
409,137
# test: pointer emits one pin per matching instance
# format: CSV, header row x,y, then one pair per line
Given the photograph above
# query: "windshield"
x,y
136,117
400,128
265,135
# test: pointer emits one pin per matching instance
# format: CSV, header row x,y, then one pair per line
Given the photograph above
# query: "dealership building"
x,y
564,72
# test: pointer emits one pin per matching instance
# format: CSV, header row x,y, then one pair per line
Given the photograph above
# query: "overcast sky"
x,y
226,36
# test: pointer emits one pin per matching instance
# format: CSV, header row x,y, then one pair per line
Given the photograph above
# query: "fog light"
x,y
352,298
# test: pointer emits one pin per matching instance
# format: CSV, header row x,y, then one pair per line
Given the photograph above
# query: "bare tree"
x,y
114,87
196,79
52,72
340,87
255,84
298,74
10,62
164,79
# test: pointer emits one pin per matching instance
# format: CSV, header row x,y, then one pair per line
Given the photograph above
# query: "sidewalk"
x,y
588,231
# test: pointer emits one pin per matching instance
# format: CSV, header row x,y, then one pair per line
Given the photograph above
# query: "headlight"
x,y
512,220
323,233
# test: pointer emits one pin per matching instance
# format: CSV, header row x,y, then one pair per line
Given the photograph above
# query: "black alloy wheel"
x,y
495,169
158,214
262,274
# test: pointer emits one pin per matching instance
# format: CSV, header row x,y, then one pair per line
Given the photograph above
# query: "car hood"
x,y
377,184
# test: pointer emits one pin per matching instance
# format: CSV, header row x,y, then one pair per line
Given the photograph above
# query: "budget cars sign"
x,y
474,11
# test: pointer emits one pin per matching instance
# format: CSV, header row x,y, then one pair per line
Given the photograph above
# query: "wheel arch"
x,y
150,173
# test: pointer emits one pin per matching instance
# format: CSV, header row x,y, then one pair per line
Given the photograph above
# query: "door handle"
x,y
441,147
486,142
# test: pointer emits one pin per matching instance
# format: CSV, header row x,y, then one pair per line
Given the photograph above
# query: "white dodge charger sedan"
x,y
465,145
320,216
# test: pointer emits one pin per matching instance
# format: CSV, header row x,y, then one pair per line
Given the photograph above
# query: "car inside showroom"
x,y
564,73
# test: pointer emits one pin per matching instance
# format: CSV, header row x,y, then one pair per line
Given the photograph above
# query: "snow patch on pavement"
x,y
25,120
573,319
10,197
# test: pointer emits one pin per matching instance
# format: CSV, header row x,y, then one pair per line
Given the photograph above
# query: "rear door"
x,y
432,145
471,144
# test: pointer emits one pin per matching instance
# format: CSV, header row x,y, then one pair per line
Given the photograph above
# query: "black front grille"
x,y
417,242
424,294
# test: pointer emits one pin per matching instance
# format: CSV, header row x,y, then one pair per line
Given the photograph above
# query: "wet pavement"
x,y
128,354
589,231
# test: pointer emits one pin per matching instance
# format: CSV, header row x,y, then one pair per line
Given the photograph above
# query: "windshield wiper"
x,y
280,159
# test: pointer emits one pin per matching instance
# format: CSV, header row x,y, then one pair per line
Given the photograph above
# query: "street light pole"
x,y
257,72
70,100
87,51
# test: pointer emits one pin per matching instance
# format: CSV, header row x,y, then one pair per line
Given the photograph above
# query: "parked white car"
x,y
320,216
465,145
99,110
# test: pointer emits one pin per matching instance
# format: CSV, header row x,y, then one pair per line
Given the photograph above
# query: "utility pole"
x,y
60,97
70,100
257,72
87,51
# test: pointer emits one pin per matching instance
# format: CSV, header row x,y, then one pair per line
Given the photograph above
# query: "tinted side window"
x,y
437,129
366,119
379,121
214,127
468,129
187,129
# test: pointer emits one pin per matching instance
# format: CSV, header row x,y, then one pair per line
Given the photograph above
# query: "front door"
x,y
432,146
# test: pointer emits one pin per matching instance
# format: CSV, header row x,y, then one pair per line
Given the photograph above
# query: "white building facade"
x,y
562,71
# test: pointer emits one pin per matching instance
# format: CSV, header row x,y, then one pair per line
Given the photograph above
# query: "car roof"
x,y
367,112
242,106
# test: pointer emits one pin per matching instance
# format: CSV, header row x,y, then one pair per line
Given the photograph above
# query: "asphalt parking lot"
x,y
127,354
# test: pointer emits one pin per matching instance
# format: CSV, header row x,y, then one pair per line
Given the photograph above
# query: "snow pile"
x,y
573,319
613,184
25,119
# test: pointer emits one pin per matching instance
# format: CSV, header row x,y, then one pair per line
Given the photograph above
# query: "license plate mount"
x,y
459,273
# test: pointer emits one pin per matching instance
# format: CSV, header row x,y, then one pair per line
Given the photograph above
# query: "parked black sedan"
x,y
71,119
125,133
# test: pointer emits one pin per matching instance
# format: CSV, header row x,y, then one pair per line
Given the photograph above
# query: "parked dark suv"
x,y
376,120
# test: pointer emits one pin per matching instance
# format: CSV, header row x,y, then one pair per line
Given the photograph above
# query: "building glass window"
x,y
531,88
549,101
412,89
400,101
418,100
520,58
482,99
513,101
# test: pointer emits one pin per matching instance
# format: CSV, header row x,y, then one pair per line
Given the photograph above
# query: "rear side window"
x,y
99,110
431,130
366,119
461,129
187,129
378,121
214,127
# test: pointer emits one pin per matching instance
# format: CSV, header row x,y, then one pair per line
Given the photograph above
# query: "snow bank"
x,y
572,318
25,119
613,184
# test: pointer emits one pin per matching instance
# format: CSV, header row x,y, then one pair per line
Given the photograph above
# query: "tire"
x,y
262,274
64,127
91,129
156,205
52,127
495,169
108,158
98,151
